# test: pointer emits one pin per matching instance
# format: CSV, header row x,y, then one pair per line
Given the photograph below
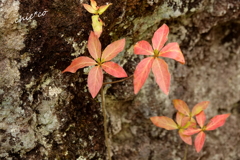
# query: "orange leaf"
x,y
217,121
181,106
94,4
114,69
161,74
95,80
164,122
172,50
143,48
94,46
79,62
103,8
141,73
179,118
201,118
112,50
186,122
191,131
160,37
185,138
199,141
192,123
199,107
89,9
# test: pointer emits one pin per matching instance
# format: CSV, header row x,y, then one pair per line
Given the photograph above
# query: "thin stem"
x,y
105,116
185,154
118,80
105,125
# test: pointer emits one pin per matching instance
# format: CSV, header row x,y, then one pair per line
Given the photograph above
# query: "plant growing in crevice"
x,y
102,63
186,123
159,67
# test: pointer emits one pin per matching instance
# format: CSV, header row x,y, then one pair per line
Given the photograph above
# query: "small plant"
x,y
185,121
97,23
159,67
101,61
187,124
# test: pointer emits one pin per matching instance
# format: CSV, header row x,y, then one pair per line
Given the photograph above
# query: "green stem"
x,y
118,80
185,154
105,124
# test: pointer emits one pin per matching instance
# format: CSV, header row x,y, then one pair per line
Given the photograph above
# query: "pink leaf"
x,y
160,37
199,107
112,50
164,122
185,138
95,80
79,62
114,69
89,9
143,48
199,141
191,131
94,46
161,74
172,50
201,118
141,73
217,121
181,106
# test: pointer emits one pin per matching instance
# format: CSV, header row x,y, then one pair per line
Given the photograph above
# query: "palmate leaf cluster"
x,y
187,122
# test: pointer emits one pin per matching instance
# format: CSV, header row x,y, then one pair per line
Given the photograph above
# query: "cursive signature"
x,y
31,16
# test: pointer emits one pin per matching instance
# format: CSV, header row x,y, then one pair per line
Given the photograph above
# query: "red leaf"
x,y
185,138
199,141
94,46
143,48
141,73
89,8
164,122
217,121
181,106
199,107
161,74
160,37
79,62
201,118
95,80
191,131
112,50
114,69
172,50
